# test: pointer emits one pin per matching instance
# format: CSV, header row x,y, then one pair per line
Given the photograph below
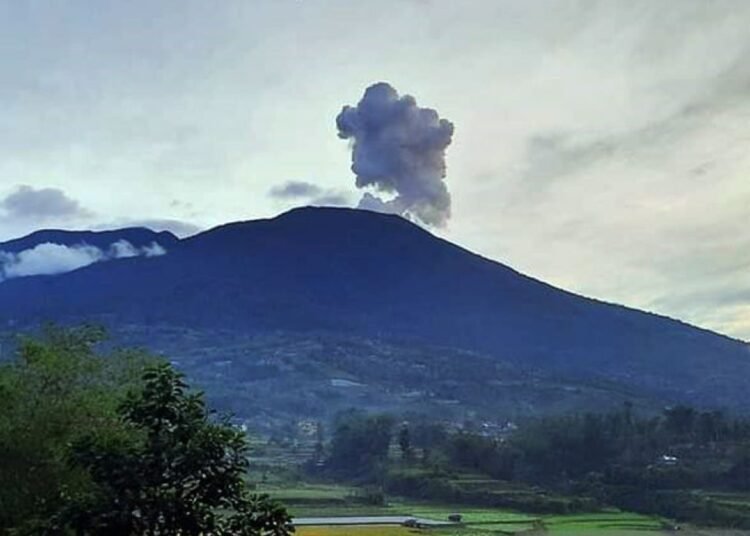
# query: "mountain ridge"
x,y
380,277
140,235
137,236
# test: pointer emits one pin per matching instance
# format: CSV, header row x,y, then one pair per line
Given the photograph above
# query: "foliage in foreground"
x,y
55,391
134,455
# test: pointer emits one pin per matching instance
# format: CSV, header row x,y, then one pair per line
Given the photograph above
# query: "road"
x,y
368,520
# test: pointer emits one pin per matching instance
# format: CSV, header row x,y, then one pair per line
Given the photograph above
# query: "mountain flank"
x,y
331,273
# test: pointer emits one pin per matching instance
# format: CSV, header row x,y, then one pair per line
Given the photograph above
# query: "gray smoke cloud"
x,y
50,258
398,149
309,193
295,189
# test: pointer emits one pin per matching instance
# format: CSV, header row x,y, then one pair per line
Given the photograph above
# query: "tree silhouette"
x,y
177,470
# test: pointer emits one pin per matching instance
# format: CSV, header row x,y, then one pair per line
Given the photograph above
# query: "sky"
x,y
600,146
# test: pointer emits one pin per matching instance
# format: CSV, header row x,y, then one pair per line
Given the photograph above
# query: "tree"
x,y
680,420
429,437
404,442
58,389
739,473
359,449
177,470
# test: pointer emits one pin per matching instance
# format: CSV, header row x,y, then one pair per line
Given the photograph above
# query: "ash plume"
x,y
398,149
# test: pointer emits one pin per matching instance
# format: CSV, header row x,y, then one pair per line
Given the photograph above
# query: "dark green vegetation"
x,y
117,445
683,464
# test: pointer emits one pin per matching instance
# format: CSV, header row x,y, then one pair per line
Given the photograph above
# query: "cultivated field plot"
x,y
619,523
489,531
387,530
324,500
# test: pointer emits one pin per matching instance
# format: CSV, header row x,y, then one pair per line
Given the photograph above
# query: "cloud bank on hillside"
x,y
50,258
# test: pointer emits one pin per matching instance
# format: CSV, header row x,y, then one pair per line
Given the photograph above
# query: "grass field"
x,y
321,500
623,523
385,530
504,530
330,500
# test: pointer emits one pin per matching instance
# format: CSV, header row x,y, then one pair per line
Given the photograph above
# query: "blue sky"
x,y
601,146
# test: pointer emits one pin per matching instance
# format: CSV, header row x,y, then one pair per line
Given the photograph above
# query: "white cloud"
x,y
153,250
50,259
123,249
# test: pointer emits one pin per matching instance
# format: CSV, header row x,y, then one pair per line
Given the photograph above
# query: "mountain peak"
x,y
338,212
380,276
